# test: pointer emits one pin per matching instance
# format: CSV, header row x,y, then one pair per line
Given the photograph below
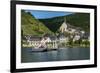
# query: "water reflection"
x,y
59,55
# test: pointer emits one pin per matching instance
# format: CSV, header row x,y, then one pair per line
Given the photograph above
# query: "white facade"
x,y
63,39
77,37
63,27
44,42
71,30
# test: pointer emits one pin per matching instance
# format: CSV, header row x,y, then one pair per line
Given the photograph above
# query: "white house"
x,y
34,41
71,30
62,38
76,37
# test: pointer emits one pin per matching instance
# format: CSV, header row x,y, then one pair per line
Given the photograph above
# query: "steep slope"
x,y
81,20
32,26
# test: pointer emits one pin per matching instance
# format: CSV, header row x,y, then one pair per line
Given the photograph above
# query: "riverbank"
x,y
63,46
69,46
79,46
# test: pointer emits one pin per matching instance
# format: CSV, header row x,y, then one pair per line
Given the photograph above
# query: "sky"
x,y
46,14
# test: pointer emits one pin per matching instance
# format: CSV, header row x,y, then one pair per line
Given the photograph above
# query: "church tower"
x,y
63,27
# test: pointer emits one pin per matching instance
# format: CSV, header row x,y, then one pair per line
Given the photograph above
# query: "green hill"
x,y
81,20
32,26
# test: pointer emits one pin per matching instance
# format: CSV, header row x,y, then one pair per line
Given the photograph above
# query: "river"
x,y
63,54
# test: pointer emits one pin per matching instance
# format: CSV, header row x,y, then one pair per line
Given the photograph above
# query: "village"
x,y
67,36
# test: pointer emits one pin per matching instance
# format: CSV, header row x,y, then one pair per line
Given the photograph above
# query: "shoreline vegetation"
x,y
62,45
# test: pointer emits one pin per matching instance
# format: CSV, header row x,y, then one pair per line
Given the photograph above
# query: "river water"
x,y
63,54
